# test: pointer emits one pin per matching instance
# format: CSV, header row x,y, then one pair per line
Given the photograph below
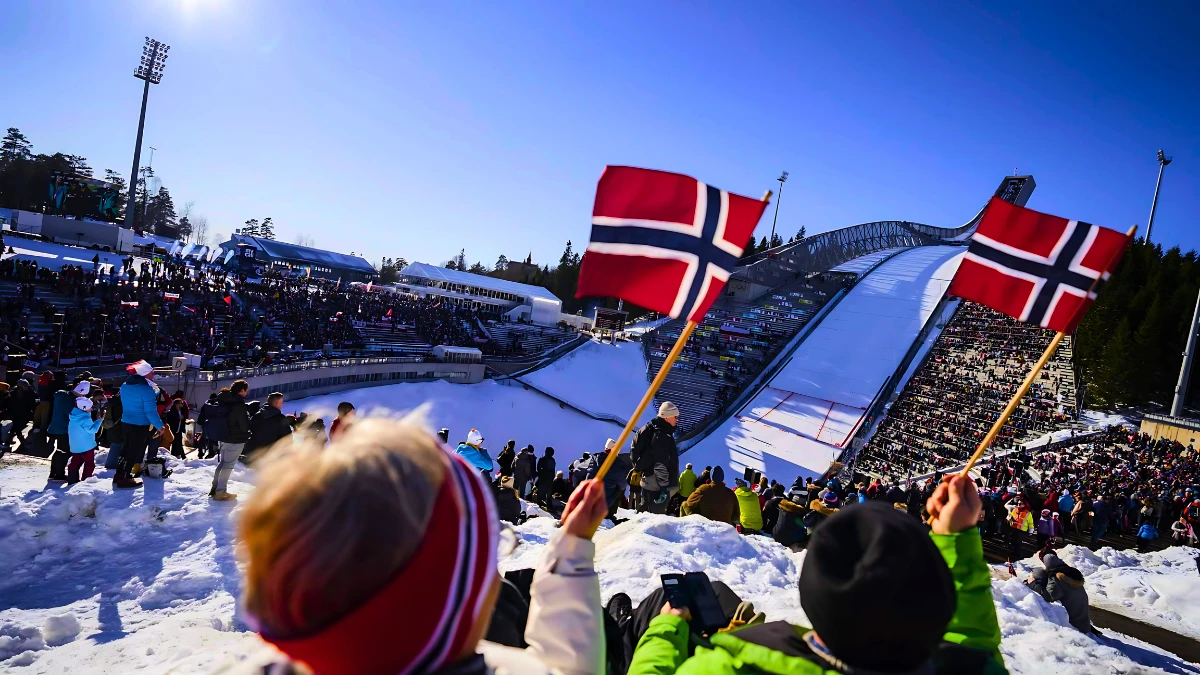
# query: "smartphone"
x,y
748,475
695,592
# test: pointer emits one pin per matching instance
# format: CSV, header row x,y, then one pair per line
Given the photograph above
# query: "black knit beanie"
x,y
718,474
875,588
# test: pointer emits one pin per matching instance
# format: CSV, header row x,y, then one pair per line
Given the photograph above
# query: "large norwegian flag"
x,y
1036,267
664,241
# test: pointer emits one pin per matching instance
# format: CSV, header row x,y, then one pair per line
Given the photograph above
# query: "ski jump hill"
x,y
806,415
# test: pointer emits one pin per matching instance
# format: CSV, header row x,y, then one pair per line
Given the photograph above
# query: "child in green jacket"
x,y
883,596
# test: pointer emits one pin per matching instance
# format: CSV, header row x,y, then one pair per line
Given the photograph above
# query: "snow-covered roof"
x,y
436,273
282,249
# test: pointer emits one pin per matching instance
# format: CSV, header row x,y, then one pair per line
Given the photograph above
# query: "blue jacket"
x,y
478,457
1148,531
1066,503
60,412
82,431
138,406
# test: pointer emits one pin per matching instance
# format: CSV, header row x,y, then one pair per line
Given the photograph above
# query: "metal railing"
x,y
242,372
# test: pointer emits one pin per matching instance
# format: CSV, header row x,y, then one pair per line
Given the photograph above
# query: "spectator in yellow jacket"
x,y
687,482
749,508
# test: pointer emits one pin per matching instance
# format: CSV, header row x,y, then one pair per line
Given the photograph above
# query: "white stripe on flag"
x,y
709,274
1077,262
682,228
1038,282
1062,289
719,241
692,261
1026,255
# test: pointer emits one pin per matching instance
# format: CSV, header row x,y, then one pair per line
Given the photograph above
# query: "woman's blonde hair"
x,y
328,526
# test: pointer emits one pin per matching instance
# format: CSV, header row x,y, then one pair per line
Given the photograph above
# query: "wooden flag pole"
x,y
649,395
1024,389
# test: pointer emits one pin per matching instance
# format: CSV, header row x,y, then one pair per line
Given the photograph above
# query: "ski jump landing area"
x,y
803,418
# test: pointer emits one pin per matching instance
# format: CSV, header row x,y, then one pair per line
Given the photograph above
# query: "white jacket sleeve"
x,y
565,628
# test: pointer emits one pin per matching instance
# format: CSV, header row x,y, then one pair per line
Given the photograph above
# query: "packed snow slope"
x,y
800,422
598,377
147,580
499,412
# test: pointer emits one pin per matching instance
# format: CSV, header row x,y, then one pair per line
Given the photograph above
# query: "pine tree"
x,y
15,147
451,264
776,241
529,258
762,245
501,263
478,268
161,216
266,229
79,165
800,235
567,256
250,228
461,261
750,249
1115,384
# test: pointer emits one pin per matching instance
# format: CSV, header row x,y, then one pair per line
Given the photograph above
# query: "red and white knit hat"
x,y
140,368
423,617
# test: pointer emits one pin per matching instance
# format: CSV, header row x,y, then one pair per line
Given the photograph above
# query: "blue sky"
x,y
415,129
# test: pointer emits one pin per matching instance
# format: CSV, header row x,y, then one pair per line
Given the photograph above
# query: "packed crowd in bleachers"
x,y
734,343
975,366
150,308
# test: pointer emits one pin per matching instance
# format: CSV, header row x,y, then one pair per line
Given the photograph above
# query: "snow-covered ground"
x,y
598,377
499,412
1160,588
147,580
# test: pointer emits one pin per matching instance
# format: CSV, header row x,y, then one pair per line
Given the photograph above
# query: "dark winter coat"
x,y
896,495
60,413
505,460
545,473
239,416
524,467
20,407
266,427
713,501
658,448
616,481
175,420
789,526
508,504
1064,584
770,512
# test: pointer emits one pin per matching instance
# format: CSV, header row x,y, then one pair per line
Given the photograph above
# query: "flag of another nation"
x,y
664,241
1036,267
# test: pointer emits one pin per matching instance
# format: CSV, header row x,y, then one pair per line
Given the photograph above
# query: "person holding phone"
x,y
882,596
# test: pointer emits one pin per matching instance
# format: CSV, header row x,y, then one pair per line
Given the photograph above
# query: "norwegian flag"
x,y
664,241
1036,267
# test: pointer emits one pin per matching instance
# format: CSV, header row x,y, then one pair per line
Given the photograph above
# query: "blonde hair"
x,y
328,526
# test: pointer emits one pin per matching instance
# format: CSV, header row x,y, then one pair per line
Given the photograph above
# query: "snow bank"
x,y
147,580
97,581
598,377
1160,588
499,412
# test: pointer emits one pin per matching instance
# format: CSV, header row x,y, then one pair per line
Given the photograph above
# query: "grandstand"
x,y
974,368
733,343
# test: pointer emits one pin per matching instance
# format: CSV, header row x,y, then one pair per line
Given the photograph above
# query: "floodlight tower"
x,y
1163,161
782,179
150,70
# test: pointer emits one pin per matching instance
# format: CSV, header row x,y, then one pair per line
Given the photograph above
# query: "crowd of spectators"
x,y
975,366
150,308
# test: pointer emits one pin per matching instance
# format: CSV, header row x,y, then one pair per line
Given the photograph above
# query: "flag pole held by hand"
x,y
653,389
1033,373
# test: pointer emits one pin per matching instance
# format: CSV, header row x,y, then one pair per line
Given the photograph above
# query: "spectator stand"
x,y
974,367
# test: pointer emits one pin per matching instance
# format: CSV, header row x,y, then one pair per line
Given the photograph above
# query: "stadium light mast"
x,y
1185,371
1163,161
778,198
150,70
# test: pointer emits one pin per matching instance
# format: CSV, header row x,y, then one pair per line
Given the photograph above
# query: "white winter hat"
x,y
608,445
474,438
668,410
84,404
83,388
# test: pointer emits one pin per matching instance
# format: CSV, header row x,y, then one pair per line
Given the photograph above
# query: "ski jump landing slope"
x,y
803,418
